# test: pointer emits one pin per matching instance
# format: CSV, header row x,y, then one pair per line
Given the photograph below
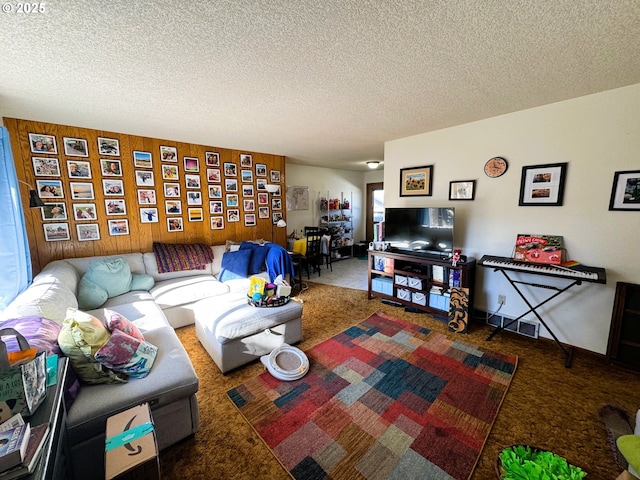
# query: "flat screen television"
x,y
426,230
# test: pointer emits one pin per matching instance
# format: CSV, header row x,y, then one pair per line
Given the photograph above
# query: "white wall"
x,y
597,135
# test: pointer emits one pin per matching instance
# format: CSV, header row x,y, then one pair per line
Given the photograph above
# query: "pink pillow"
x,y
116,321
126,354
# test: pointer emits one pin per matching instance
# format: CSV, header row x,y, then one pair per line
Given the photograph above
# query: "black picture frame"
x,y
543,185
416,181
625,192
462,190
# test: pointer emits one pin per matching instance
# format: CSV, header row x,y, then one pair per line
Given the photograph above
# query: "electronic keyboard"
x,y
582,272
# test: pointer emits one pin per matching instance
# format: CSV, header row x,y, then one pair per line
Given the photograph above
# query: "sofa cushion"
x,y
112,275
41,333
151,267
141,282
140,310
49,298
90,294
116,321
235,265
123,353
181,291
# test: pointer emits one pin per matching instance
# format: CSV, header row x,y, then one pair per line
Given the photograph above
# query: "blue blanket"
x,y
279,262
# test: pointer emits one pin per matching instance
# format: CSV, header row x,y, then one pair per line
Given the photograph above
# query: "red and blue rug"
x,y
385,399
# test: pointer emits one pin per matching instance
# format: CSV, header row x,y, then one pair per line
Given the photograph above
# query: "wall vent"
x,y
528,328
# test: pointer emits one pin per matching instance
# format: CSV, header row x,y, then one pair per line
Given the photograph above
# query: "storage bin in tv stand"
x,y
421,270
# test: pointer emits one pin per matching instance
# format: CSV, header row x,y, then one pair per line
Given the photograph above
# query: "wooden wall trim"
x,y
141,235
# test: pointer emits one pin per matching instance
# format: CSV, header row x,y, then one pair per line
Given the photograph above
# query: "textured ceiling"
x,y
324,82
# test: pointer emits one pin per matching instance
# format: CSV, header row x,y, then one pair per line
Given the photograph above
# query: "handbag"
x,y
23,387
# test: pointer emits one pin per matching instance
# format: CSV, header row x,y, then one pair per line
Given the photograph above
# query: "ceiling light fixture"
x,y
373,165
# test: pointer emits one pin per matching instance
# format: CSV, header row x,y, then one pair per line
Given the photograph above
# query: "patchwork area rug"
x,y
385,399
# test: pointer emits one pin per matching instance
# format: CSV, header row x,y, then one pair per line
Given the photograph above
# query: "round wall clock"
x,y
495,167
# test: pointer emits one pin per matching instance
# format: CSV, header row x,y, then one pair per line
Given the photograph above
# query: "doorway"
x,y
375,207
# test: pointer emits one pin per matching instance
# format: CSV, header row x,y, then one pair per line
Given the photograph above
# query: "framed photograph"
x,y
275,176
462,190
147,197
85,211
625,193
118,227
45,167
263,212
231,185
115,206
78,169
232,200
88,232
142,159
144,178
217,223
263,198
416,181
112,188
75,147
108,146
170,172
194,198
40,143
261,170
54,211
261,184
173,207
233,215
168,154
172,190
192,181
276,217
212,159
213,175
191,164
250,220
110,168
82,191
175,224
249,205
542,185
215,191
230,170
247,190
195,215
148,215
246,176
49,189
276,204
215,207
55,232
246,161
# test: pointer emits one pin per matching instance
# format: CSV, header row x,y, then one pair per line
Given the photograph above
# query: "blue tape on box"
x,y
128,435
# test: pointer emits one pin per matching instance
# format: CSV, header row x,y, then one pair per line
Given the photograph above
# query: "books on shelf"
x,y
13,445
32,454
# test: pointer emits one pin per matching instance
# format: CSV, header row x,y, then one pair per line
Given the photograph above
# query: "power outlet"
x,y
502,299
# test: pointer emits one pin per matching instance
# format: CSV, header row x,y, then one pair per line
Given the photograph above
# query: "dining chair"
x,y
312,258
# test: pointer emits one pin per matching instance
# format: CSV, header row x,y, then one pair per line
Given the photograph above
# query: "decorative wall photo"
x,y
217,223
263,212
230,170
233,215
277,216
231,185
261,184
88,232
85,211
147,197
194,198
171,190
175,224
45,167
249,205
195,215
173,207
542,185
112,187
118,227
78,169
82,191
416,181
215,191
233,200
625,193
148,215
215,207
261,170
213,175
110,168
40,143
246,176
191,164
212,159
55,232
142,159
192,181
276,204
250,220
275,176
263,199
170,172
144,178
54,211
168,154
108,146
462,190
116,206
247,190
49,188
75,147
246,161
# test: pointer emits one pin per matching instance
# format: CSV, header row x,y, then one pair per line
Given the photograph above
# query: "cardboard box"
x,y
131,451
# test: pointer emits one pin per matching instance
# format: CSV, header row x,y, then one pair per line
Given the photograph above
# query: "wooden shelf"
x,y
624,336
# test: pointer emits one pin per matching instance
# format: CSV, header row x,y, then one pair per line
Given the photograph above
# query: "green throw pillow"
x,y
90,295
629,446
111,274
142,282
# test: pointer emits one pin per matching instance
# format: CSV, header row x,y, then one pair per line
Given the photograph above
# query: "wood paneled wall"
x,y
141,235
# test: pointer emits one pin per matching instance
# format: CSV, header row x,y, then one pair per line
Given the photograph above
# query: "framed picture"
x,y
462,190
49,189
173,207
542,185
217,223
263,212
75,147
192,181
191,164
175,224
168,154
170,172
212,159
195,214
40,143
261,170
171,189
249,205
246,176
230,170
148,215
416,181
215,207
54,211
233,215
250,220
231,185
142,159
261,184
276,204
78,169
88,232
147,197
232,200
275,176
144,178
213,175
247,190
625,193
115,206
194,198
85,211
45,167
246,161
110,168
55,232
277,216
215,191
82,191
108,146
263,198
112,188
118,227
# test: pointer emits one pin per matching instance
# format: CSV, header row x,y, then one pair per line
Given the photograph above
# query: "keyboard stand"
x,y
568,351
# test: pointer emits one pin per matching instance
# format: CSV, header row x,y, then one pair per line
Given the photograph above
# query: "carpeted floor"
x,y
547,405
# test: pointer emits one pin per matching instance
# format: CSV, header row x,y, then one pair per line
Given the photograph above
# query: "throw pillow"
x,y
235,265
141,282
126,354
116,321
40,332
80,338
90,295
258,256
111,274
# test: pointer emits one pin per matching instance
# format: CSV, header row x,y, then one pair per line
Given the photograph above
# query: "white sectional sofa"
x,y
176,300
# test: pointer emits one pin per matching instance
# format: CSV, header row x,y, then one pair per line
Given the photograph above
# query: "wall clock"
x,y
495,167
